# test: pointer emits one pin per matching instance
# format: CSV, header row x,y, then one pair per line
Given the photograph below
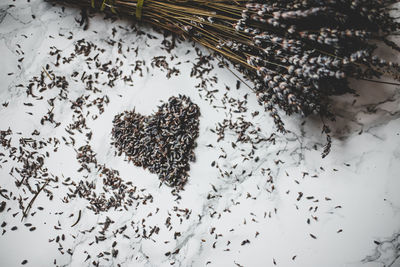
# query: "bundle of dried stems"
x,y
297,52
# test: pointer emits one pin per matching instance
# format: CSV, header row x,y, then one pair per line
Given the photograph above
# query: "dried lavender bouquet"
x,y
297,52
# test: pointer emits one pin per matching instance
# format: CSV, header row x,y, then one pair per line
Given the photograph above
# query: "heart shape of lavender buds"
x,y
163,142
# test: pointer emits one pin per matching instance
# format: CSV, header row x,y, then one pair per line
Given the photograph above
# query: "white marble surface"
x,y
351,197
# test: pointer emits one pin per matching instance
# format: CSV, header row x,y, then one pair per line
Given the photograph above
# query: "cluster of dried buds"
x,y
164,142
303,51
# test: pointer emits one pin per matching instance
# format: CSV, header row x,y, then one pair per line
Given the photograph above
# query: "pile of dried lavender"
x,y
303,51
164,142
